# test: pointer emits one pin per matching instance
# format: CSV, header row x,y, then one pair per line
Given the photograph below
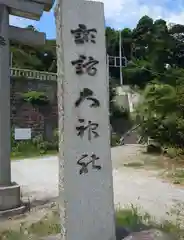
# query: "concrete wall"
x,y
127,98
41,119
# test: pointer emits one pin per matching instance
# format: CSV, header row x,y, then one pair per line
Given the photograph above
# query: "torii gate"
x,y
31,9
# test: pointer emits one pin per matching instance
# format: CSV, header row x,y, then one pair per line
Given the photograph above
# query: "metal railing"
x,y
37,75
113,61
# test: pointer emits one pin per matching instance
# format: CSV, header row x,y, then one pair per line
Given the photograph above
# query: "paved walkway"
x,y
39,178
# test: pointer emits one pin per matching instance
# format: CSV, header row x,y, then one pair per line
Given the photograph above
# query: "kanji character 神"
x,y
90,128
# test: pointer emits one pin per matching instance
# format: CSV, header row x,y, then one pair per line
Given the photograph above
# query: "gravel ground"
x,y
39,178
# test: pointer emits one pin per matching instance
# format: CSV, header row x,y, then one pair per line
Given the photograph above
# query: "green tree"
x,y
156,114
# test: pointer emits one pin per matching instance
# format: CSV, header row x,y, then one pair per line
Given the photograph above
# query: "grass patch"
x,y
135,220
48,225
129,217
175,153
35,147
176,175
32,154
168,168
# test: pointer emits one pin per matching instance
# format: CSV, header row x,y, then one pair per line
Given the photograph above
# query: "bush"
x,y
160,116
34,146
115,140
35,98
174,152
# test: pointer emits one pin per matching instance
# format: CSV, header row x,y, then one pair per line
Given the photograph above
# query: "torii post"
x,y
31,9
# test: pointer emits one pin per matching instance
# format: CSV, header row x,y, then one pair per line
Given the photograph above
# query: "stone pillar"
x,y
9,193
85,184
5,170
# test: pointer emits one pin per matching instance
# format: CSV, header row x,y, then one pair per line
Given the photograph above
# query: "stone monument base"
x,y
10,200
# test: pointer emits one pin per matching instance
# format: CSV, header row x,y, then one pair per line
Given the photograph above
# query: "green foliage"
x,y
42,58
138,74
149,48
155,64
174,152
35,98
160,98
35,146
135,219
130,218
151,41
115,140
160,114
39,146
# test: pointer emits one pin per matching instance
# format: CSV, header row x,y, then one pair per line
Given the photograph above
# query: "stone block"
x,y
12,212
9,197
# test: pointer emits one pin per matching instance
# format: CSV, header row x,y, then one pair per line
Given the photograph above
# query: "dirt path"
x,y
142,187
39,179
